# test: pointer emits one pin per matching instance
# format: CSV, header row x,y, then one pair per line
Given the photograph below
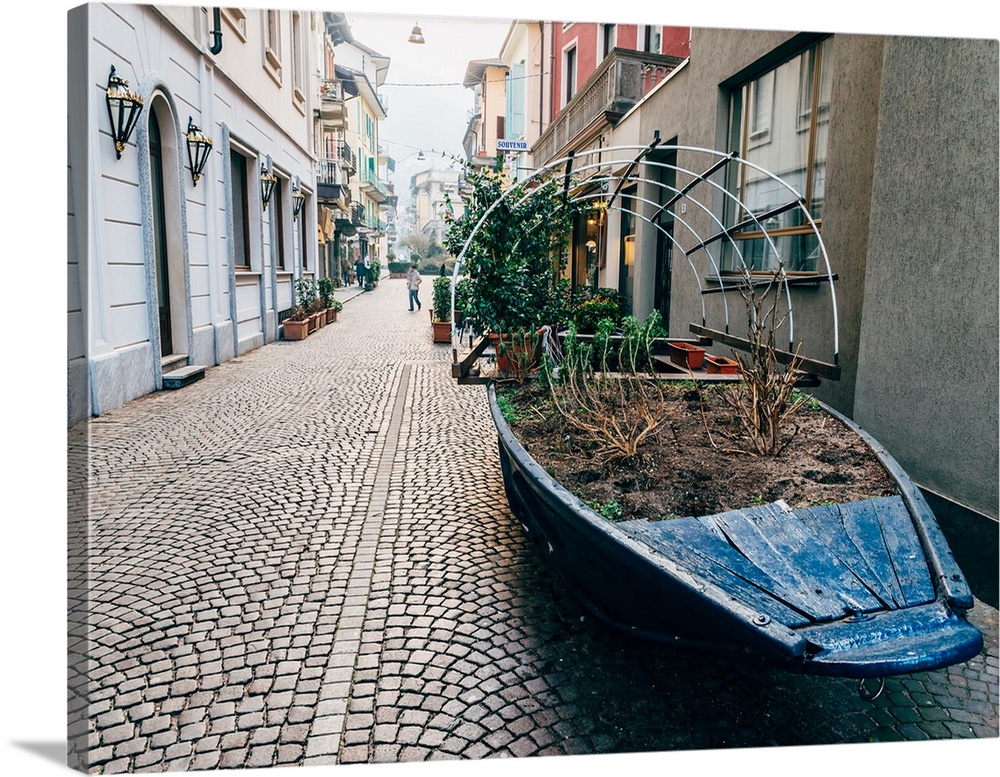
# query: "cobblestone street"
x,y
307,558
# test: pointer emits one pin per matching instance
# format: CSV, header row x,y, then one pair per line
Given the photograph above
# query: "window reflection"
x,y
780,122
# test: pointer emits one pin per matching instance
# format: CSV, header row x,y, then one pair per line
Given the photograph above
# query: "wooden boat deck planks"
x,y
802,566
905,552
779,543
695,546
831,524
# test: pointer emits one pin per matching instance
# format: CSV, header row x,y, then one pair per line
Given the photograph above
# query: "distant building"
x,y
436,194
366,108
336,159
488,80
522,53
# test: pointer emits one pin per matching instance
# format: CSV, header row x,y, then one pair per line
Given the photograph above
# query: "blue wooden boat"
x,y
864,590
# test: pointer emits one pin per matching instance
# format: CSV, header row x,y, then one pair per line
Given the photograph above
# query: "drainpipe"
x,y
541,80
552,71
217,32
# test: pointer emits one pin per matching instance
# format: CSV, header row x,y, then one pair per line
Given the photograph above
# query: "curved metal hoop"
x,y
619,166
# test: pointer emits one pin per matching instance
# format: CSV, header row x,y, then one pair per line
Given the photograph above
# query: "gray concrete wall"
x,y
928,366
694,107
854,110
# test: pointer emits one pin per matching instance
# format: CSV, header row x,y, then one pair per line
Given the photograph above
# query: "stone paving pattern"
x,y
307,557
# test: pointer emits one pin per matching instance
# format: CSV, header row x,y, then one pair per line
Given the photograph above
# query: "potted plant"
x,y
589,313
318,311
515,263
374,273
296,326
687,355
441,320
305,297
326,289
461,300
720,365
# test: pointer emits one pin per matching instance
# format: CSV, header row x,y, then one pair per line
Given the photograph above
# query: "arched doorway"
x,y
169,284
160,252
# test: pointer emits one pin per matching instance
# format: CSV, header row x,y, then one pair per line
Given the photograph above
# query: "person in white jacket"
x,y
413,280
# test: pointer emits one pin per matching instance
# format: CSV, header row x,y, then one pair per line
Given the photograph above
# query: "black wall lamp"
x,y
267,182
298,200
199,148
124,107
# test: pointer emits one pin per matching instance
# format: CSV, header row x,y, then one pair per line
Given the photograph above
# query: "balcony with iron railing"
x,y
335,148
332,180
348,157
376,188
623,79
331,100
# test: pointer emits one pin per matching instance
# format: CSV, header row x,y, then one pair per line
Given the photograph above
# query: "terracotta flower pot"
x,y
720,365
514,348
295,330
687,355
442,331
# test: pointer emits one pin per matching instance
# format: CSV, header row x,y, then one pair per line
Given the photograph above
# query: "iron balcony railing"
x,y
331,90
378,187
334,147
329,171
620,81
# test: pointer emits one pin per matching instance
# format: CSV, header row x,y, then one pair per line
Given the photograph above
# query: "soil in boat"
x,y
695,465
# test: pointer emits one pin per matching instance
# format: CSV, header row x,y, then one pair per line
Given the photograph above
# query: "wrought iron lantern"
x,y
267,182
199,149
298,200
416,36
124,107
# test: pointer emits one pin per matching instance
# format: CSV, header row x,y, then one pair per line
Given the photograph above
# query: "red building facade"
x,y
576,49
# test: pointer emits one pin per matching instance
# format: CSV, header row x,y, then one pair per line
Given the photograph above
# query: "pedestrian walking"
x,y
413,280
359,271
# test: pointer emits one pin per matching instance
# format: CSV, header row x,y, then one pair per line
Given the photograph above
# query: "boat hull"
x,y
682,583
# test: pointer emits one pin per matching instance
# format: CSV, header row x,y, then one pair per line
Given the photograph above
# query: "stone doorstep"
x,y
183,377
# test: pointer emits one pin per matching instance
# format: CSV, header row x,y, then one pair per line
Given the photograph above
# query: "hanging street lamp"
x,y
199,147
416,36
124,107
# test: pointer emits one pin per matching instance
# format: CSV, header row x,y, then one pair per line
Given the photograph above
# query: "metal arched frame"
x,y
559,167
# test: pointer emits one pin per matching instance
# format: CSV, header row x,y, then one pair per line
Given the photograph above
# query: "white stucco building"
x,y
165,271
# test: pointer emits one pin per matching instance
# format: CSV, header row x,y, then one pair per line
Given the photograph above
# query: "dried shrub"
x,y
764,399
615,410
